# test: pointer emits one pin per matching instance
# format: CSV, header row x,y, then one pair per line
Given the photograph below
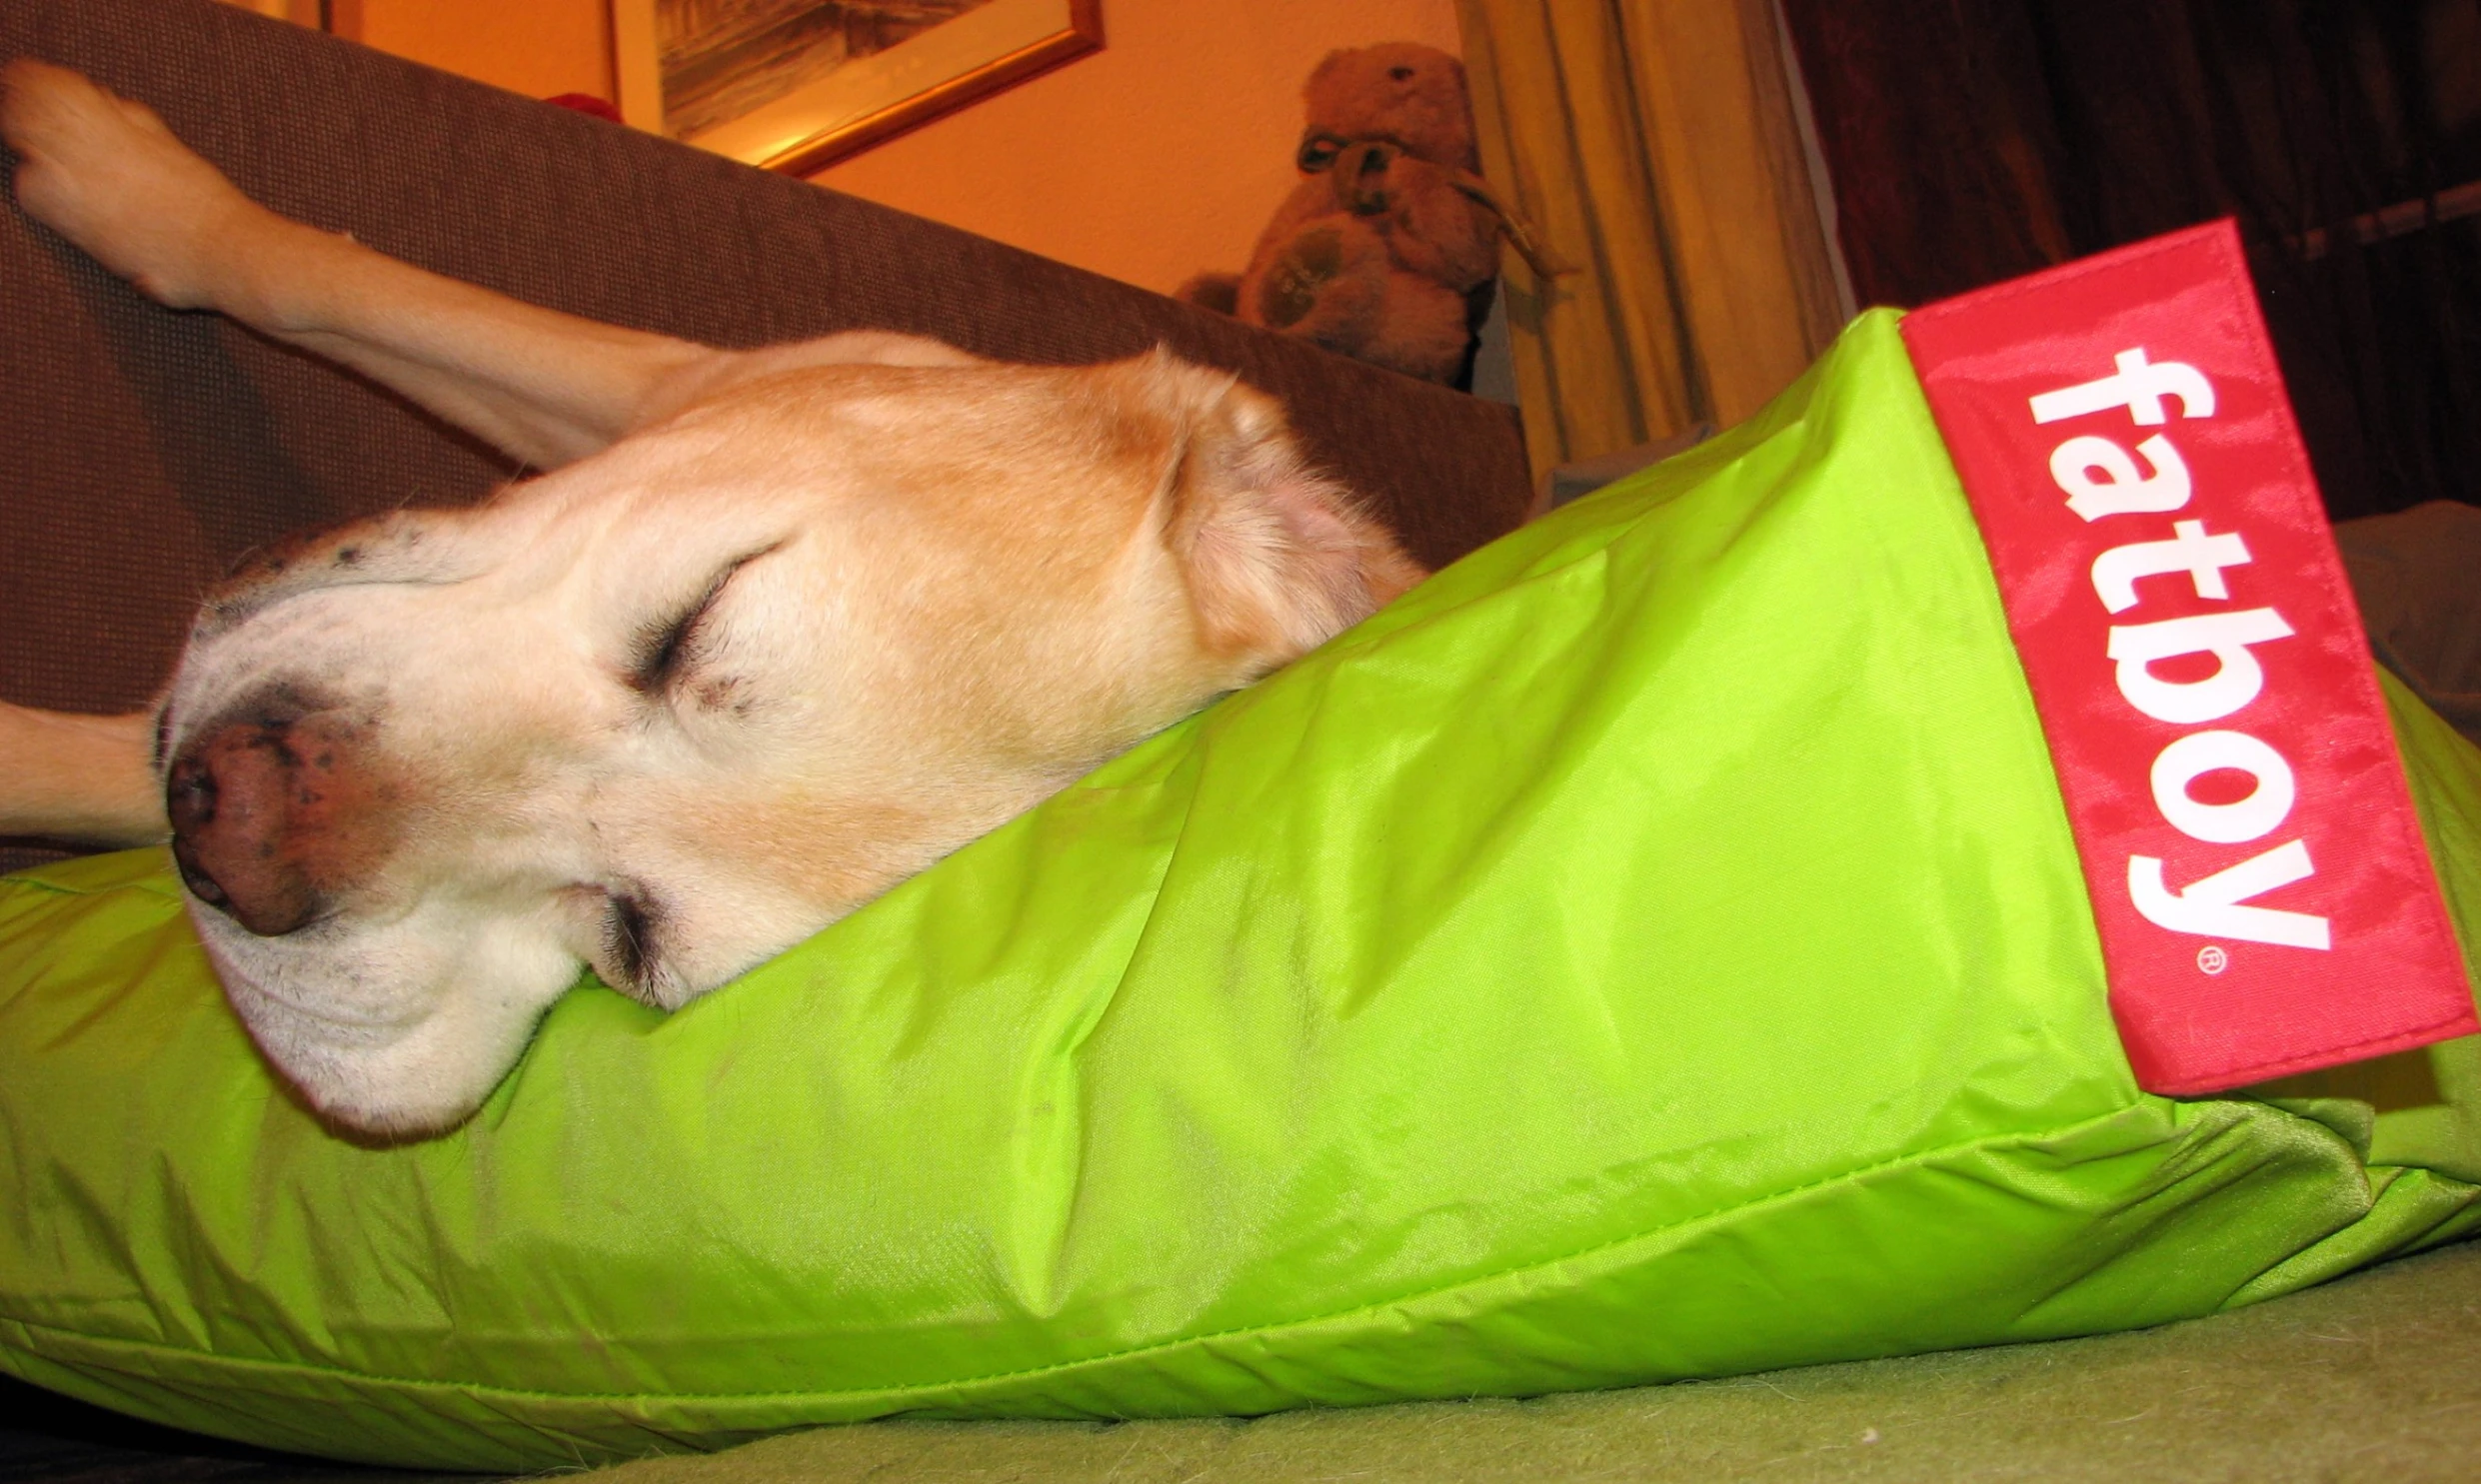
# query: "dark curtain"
x,y
1968,141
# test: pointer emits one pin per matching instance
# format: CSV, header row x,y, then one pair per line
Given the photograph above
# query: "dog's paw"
x,y
108,175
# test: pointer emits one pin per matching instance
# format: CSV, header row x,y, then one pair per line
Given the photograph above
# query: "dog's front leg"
x,y
108,175
84,779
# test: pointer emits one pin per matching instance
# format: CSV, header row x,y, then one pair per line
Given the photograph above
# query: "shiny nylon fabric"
x,y
1652,948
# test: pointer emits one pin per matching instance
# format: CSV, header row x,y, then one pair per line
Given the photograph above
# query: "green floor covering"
x,y
2374,1377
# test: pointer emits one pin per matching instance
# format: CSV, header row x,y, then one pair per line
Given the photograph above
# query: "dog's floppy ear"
x,y
1278,557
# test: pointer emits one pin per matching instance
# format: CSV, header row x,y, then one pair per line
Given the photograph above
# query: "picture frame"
x,y
869,98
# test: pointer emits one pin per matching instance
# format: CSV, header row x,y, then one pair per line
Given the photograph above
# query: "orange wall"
x,y
1155,157
541,48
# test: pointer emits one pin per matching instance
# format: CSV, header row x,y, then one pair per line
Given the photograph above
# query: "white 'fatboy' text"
x,y
2101,479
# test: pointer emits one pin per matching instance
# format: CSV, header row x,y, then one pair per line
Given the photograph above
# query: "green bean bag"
x,y
1653,949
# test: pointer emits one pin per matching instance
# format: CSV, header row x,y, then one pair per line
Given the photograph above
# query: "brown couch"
x,y
146,449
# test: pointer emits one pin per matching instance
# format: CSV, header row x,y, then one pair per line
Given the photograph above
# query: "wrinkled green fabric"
x,y
1652,948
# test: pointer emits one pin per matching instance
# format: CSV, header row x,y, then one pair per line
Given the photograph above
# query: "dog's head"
x,y
674,707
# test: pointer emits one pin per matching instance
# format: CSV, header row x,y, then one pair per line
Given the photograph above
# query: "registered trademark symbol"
x,y
2212,958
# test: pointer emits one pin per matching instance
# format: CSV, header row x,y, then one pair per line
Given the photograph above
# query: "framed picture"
x,y
792,84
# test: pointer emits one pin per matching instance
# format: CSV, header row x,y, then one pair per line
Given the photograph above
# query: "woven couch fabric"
x,y
1653,949
2415,572
148,449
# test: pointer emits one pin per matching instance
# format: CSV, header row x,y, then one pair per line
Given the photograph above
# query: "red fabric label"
x,y
2266,901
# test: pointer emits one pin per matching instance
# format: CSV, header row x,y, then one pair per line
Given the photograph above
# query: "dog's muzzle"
x,y
273,817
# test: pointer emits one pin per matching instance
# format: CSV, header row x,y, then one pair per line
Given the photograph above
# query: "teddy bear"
x,y
1387,249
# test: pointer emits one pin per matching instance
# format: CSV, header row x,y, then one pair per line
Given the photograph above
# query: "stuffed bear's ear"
x,y
1278,557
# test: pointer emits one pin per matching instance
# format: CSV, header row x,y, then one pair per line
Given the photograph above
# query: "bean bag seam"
x,y
2012,1140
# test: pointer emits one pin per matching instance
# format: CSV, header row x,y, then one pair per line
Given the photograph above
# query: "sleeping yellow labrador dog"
x,y
774,630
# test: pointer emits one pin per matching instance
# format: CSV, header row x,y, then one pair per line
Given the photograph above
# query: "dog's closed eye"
x,y
629,942
665,650
662,651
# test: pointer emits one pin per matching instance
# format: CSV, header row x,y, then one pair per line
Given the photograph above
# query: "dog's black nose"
x,y
230,797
